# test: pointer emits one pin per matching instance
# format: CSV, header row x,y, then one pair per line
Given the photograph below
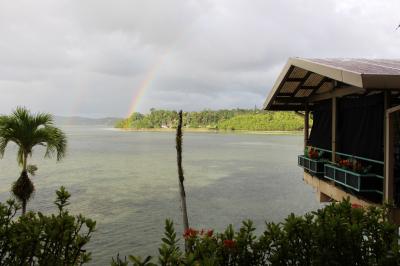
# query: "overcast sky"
x,y
90,57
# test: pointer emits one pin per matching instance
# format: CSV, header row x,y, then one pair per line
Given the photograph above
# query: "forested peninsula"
x,y
235,119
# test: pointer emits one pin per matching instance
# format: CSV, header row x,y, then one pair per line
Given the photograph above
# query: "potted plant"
x,y
312,160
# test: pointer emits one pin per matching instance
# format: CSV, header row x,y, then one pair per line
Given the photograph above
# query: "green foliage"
x,y
37,239
268,121
339,234
27,131
236,119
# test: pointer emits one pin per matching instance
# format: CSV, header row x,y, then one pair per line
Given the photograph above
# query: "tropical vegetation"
x,y
39,239
235,119
339,234
27,131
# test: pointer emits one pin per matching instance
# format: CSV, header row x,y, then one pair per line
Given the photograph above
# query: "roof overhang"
x,y
310,80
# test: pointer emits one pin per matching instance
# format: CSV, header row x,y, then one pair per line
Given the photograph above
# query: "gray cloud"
x,y
90,57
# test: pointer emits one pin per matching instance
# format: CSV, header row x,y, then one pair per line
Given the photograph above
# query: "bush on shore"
x,y
38,239
339,234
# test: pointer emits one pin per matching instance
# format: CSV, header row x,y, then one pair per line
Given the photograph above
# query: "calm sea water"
x,y
127,181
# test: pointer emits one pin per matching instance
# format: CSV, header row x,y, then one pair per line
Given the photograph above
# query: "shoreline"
x,y
208,130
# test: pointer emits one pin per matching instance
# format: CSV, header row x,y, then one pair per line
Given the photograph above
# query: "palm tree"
x,y
28,130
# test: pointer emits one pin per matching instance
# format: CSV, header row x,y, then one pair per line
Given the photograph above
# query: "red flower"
x,y
356,206
210,232
190,232
228,243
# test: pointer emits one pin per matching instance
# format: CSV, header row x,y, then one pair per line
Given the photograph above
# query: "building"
x,y
353,148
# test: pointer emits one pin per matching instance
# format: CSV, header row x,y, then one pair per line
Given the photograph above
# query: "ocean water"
x,y
127,182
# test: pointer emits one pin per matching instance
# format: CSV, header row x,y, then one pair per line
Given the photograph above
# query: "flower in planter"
x,y
346,164
354,165
229,243
312,153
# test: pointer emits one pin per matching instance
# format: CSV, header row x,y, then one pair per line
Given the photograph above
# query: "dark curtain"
x,y
360,126
321,131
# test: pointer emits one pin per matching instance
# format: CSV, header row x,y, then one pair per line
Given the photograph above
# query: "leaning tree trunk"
x,y
180,175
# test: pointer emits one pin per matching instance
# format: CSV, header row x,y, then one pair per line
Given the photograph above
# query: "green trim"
x,y
360,158
352,156
322,149
335,168
311,160
354,173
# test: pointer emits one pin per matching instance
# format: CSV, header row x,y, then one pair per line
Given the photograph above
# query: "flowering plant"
x,y
312,153
353,165
338,234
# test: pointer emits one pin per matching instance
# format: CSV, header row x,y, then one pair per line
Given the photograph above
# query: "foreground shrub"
x,y
339,234
38,239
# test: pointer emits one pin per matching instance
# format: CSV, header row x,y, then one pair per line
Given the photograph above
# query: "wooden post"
x,y
306,125
334,125
388,180
389,159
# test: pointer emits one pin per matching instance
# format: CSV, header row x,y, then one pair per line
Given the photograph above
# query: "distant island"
x,y
234,119
85,121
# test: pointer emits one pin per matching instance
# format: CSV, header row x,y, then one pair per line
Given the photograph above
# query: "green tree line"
x,y
235,119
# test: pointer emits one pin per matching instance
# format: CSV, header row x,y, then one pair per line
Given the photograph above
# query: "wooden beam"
x,y
294,79
336,93
388,140
334,192
300,86
329,192
325,79
290,99
286,108
334,127
309,87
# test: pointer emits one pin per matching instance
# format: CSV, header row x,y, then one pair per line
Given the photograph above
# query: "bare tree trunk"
x,y
24,167
180,175
24,207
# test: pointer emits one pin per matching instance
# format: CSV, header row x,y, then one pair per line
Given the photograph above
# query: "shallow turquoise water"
x,y
127,181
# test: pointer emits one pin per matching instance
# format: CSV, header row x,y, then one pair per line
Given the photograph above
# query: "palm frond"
x,y
56,143
28,130
43,119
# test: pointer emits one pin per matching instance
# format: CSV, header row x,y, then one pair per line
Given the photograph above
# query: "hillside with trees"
x,y
235,119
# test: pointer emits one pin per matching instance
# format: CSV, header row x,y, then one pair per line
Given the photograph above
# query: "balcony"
x,y
368,183
356,175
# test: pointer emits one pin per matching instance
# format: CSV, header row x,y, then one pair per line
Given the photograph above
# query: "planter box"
x,y
353,180
311,165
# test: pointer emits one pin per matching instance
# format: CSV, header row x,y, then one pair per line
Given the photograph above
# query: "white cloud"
x,y
89,57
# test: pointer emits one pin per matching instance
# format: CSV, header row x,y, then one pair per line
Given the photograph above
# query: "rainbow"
x,y
144,84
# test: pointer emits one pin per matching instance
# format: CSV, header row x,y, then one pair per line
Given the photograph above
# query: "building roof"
x,y
306,79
